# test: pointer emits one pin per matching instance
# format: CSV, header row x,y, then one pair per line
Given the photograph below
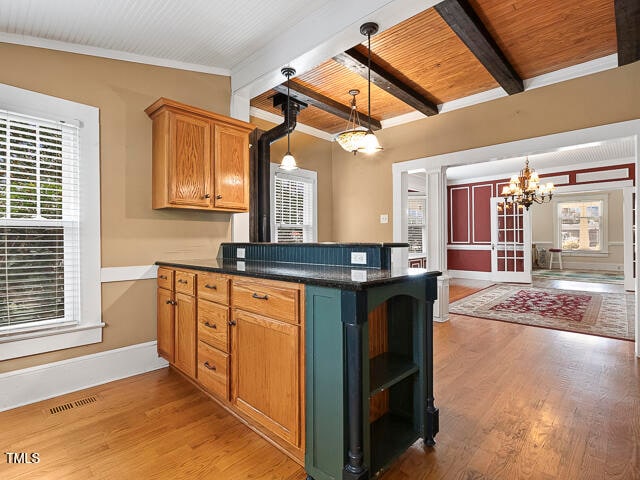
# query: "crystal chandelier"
x,y
525,189
351,138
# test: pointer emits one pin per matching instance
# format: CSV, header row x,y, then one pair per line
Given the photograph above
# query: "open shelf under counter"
x,y
387,369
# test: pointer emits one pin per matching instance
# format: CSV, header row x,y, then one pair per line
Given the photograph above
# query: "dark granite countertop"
x,y
346,278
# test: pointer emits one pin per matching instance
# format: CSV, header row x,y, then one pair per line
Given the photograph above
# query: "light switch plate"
x,y
384,218
359,258
240,253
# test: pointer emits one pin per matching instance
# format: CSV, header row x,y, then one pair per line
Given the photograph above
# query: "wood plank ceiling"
x,y
460,48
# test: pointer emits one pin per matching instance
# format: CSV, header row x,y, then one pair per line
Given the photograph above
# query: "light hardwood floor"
x,y
516,402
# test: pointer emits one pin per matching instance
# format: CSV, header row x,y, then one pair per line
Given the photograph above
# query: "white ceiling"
x,y
217,33
579,156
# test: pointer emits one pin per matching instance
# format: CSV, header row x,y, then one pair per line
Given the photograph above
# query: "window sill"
x,y
41,341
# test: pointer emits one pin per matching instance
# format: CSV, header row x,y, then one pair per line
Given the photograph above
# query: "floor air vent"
x,y
72,405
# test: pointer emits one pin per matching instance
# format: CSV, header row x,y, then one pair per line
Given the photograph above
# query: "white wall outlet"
x,y
240,253
359,258
384,218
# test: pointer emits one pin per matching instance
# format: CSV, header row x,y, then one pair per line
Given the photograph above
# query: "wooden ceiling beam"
x,y
467,25
356,61
311,97
627,30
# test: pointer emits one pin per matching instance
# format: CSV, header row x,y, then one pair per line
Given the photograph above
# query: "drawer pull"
x,y
260,297
209,366
210,325
171,302
182,281
162,277
212,287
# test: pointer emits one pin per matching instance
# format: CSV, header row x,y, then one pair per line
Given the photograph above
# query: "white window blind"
x,y
416,224
294,208
39,223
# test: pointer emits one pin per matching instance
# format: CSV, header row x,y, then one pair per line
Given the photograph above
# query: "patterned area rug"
x,y
603,314
581,276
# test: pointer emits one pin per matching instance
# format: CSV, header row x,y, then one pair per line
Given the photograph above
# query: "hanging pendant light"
x,y
369,143
351,138
526,189
288,161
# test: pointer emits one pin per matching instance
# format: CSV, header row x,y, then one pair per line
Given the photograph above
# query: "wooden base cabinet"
x,y
185,334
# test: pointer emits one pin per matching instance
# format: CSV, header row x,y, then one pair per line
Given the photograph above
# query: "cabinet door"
x,y
231,167
185,335
190,165
165,324
266,375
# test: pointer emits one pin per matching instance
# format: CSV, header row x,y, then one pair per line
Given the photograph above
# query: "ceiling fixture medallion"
x,y
288,161
525,189
351,138
370,142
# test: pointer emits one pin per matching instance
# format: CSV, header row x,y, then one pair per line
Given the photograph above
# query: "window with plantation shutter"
x,y
49,224
293,206
416,224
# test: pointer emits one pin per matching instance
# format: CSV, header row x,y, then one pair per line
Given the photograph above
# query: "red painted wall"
x,y
475,260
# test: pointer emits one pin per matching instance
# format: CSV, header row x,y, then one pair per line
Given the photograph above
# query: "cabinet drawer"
x,y
185,282
213,287
165,278
266,299
213,324
213,370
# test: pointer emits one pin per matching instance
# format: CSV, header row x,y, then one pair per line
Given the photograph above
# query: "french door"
x,y
510,242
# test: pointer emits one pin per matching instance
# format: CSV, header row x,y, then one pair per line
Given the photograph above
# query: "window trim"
x,y
89,328
300,173
604,225
424,225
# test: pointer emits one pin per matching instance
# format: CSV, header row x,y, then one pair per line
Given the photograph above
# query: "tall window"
x,y
49,224
581,225
294,198
416,224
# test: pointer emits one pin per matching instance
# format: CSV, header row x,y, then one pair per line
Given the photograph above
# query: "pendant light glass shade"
x,y
288,161
369,143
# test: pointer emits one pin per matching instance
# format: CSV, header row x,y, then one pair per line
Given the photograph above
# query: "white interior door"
x,y
510,242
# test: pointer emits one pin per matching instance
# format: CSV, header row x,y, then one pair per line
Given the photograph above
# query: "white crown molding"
x,y
301,127
124,274
402,119
575,71
107,53
29,385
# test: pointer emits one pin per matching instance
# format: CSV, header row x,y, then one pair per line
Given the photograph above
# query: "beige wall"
x,y
542,231
311,153
362,186
132,233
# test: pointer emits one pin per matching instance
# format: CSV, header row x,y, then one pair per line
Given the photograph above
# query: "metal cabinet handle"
x,y
209,366
232,322
182,281
260,297
207,195
218,197
163,277
212,287
210,325
171,302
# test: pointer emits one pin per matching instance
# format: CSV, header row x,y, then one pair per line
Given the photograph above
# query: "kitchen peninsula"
x,y
324,349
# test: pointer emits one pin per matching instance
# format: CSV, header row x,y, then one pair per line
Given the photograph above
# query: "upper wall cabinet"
x,y
200,158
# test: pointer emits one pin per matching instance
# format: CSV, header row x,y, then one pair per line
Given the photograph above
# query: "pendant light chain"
x,y
288,112
288,161
369,77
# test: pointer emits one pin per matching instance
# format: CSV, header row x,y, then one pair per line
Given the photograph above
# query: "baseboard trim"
x,y
610,267
30,385
470,274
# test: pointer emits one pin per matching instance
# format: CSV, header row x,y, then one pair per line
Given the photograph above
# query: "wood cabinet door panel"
x,y
165,324
213,324
231,167
185,334
190,170
266,375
